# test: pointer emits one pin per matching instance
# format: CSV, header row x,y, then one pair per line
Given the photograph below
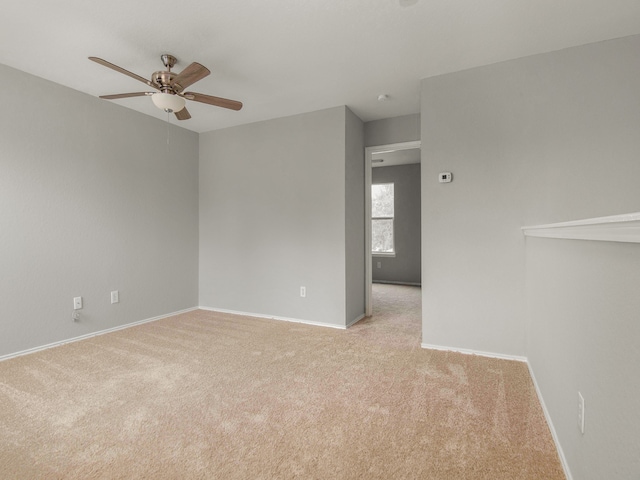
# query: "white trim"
x,y
614,228
554,435
468,351
368,264
368,152
94,334
273,317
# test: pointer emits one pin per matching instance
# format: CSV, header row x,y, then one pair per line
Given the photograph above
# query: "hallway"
x,y
397,314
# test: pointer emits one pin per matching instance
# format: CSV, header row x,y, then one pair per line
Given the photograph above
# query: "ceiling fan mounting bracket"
x,y
168,60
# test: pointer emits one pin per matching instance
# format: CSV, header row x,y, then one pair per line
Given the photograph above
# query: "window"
x,y
382,219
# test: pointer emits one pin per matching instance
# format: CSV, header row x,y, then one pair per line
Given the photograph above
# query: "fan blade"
x,y
122,70
125,95
189,76
217,101
183,114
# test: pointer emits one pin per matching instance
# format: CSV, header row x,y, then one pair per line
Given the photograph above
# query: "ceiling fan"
x,y
171,96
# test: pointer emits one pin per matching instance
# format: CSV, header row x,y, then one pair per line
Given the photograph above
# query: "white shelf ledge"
x,y
615,228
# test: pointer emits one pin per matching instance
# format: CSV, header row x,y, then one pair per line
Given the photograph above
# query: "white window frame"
x,y
393,224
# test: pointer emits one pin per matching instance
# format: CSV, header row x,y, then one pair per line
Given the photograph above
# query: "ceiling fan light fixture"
x,y
170,97
168,102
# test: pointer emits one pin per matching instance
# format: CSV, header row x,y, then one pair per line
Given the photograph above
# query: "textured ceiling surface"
x,y
283,57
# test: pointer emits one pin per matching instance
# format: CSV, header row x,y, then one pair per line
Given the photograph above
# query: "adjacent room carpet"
x,y
206,395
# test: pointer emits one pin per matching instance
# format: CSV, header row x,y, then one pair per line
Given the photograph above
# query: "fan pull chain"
x,y
168,119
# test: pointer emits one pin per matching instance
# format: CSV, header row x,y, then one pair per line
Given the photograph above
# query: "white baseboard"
x,y
563,459
93,334
467,351
273,317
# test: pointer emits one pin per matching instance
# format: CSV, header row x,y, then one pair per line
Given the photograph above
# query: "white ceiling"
x,y
396,157
282,57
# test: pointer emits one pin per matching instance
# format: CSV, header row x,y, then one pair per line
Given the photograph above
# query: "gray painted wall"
x,y
92,199
392,130
354,194
406,265
273,217
537,140
582,335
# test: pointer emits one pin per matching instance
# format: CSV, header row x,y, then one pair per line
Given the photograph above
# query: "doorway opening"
x,y
393,257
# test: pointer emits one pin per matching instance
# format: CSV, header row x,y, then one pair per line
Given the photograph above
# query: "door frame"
x,y
368,155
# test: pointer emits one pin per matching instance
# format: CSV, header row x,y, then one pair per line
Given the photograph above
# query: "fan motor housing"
x,y
163,79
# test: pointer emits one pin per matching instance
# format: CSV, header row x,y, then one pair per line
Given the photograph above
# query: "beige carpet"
x,y
209,395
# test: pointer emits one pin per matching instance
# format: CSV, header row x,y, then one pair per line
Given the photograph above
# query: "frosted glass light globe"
x,y
168,102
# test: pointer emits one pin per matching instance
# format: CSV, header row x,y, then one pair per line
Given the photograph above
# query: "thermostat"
x,y
445,177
